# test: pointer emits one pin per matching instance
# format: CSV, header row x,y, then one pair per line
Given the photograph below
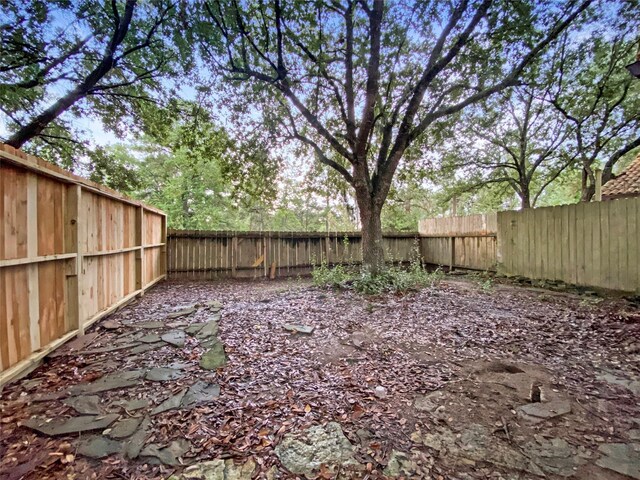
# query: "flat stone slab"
x,y
136,441
171,403
621,457
98,446
218,469
64,426
554,455
428,402
321,444
176,338
151,338
476,444
213,305
124,428
631,385
214,357
210,329
168,455
150,325
545,410
111,348
182,313
299,329
133,404
75,345
400,464
163,374
200,393
112,381
146,347
194,328
110,325
84,404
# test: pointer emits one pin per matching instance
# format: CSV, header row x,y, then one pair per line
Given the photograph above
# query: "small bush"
x,y
324,276
394,279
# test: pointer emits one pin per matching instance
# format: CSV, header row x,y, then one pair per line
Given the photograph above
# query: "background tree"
x,y
596,94
516,138
360,90
95,59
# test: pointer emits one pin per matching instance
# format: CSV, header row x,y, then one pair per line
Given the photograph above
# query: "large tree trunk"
x,y
372,249
525,197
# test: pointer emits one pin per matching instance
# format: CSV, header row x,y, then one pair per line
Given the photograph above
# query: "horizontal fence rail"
x,y
71,251
206,255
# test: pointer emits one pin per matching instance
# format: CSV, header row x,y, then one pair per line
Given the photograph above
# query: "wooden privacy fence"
x,y
204,255
593,244
71,251
466,242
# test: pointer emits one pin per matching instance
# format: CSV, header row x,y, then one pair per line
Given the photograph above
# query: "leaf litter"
x,y
402,376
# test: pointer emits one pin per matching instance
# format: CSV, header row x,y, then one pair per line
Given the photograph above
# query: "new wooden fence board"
x,y
66,235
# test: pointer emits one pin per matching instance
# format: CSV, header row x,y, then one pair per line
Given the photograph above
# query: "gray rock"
x,y
194,328
400,464
213,305
429,402
299,329
209,329
168,455
151,338
84,404
113,348
182,313
214,357
97,446
112,381
200,393
634,434
170,403
621,457
133,404
147,347
218,470
176,338
554,455
475,444
539,411
124,428
163,374
135,442
64,426
150,325
631,385
320,444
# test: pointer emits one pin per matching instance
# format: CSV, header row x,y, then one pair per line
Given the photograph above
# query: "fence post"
x,y
163,249
598,194
452,260
234,255
72,245
32,269
140,250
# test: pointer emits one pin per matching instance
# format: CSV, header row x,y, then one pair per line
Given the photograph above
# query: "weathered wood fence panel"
x,y
205,255
593,244
466,242
71,251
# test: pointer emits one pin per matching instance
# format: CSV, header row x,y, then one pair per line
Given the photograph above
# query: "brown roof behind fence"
x,y
627,184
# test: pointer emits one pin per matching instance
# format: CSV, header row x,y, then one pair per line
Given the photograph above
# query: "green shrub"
x,y
324,276
395,279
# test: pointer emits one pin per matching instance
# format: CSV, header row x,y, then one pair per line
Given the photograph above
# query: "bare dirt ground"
x,y
431,384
